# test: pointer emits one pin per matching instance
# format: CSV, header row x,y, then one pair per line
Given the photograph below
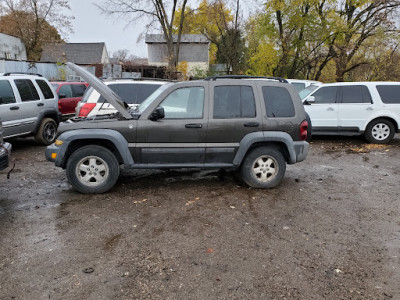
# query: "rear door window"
x,y
6,92
390,94
234,102
27,90
278,102
355,94
46,90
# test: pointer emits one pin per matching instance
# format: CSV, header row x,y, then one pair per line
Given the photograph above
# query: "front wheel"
x,y
263,167
380,131
92,169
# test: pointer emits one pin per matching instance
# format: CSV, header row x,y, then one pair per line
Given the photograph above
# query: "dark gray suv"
x,y
251,125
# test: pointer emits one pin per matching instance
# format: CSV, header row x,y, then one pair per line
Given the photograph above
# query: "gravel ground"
x,y
330,230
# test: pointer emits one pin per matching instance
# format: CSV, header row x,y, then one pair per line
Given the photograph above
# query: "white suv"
x,y
28,106
132,91
371,109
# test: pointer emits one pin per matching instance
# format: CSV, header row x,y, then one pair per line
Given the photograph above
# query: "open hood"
x,y
103,90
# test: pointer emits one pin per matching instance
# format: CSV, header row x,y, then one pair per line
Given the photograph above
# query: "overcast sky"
x,y
91,26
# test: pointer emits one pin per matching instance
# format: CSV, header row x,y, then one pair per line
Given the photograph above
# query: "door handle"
x,y
251,124
193,126
330,109
40,104
370,108
14,107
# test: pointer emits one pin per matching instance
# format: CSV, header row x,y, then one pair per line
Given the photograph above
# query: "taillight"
x,y
303,130
86,109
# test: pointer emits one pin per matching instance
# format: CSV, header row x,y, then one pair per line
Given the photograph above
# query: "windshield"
x,y
142,107
307,91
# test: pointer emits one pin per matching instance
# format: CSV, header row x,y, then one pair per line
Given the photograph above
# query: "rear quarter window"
x,y
46,90
390,94
278,102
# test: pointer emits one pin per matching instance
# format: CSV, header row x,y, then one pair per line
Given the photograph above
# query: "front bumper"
x,y
5,151
56,153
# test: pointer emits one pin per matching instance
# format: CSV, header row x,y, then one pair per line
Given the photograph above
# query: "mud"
x,y
331,230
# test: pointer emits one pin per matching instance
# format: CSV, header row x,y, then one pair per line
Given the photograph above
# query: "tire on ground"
x,y
379,131
47,132
92,169
263,167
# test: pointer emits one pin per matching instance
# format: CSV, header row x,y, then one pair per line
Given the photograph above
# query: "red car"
x,y
69,94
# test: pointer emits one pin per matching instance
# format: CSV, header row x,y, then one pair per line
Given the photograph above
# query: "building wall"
x,y
11,48
196,53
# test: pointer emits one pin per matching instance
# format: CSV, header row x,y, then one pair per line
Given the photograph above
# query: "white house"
x,y
12,47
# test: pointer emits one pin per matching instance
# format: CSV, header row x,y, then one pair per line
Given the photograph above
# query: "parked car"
x,y
28,106
301,84
5,150
371,109
133,91
69,94
252,126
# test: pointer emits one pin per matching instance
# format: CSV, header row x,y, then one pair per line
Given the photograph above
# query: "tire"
x,y
309,129
92,170
47,132
379,131
263,167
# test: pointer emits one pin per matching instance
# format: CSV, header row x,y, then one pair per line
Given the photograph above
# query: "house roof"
x,y
78,53
185,38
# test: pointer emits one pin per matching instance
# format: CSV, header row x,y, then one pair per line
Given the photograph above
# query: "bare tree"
x,y
156,12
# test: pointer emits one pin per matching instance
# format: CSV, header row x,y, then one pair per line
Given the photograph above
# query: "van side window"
x,y
390,94
6,92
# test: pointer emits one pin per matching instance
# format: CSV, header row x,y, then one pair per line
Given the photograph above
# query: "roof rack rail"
x,y
134,79
283,80
21,73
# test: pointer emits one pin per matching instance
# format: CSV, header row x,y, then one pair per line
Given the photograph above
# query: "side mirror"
x,y
158,113
60,96
309,100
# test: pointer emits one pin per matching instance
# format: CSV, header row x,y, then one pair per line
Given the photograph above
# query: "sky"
x,y
91,26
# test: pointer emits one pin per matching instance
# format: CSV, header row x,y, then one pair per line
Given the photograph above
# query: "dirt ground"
x,y
330,230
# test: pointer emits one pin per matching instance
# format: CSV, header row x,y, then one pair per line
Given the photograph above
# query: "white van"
x,y
371,109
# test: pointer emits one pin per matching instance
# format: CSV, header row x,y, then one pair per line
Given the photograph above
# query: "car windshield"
x,y
307,91
142,107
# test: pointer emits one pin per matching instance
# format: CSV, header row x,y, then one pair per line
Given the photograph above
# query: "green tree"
x,y
31,22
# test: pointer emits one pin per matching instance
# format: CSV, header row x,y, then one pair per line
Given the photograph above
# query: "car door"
x,y
233,114
323,111
355,107
30,104
67,101
179,138
10,112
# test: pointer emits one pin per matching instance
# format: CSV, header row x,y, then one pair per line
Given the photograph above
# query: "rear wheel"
x,y
92,169
380,131
263,167
47,132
